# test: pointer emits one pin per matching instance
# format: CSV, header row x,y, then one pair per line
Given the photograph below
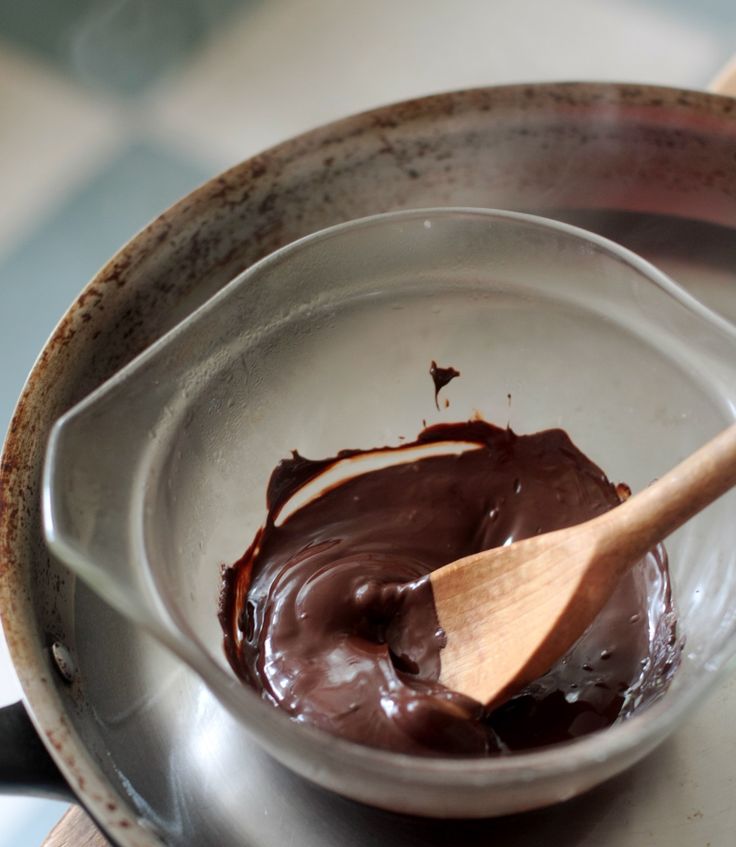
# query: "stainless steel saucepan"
x,y
140,740
159,476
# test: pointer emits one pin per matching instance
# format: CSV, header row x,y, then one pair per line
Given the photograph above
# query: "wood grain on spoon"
x,y
510,613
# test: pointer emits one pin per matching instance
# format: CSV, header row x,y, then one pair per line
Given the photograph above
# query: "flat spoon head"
x,y
510,613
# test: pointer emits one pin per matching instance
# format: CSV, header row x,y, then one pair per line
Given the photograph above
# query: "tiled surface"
x,y
285,66
45,270
51,135
111,109
116,46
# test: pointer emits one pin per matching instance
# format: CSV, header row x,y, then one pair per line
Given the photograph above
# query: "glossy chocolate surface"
x,y
315,612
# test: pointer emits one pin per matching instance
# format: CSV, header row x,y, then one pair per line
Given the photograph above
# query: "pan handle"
x,y
725,81
25,765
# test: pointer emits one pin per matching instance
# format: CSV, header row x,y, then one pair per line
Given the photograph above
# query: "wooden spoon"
x,y
510,613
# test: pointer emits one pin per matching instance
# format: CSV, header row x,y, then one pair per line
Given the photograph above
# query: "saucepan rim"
x,y
23,618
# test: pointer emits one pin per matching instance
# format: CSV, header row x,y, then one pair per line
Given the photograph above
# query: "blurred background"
x,y
112,109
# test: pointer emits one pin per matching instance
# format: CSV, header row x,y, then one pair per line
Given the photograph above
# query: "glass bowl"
x,y
159,476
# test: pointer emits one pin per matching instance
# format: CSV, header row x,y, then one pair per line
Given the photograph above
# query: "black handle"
x,y
25,765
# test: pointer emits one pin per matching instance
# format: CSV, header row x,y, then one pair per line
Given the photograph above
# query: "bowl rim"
x,y
655,720
642,266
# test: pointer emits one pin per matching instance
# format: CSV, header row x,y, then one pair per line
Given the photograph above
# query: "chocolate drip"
x,y
440,378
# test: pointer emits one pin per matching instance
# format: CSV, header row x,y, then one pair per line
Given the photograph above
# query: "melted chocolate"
x,y
440,378
327,616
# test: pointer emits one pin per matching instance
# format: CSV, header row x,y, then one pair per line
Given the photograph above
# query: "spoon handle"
x,y
636,526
